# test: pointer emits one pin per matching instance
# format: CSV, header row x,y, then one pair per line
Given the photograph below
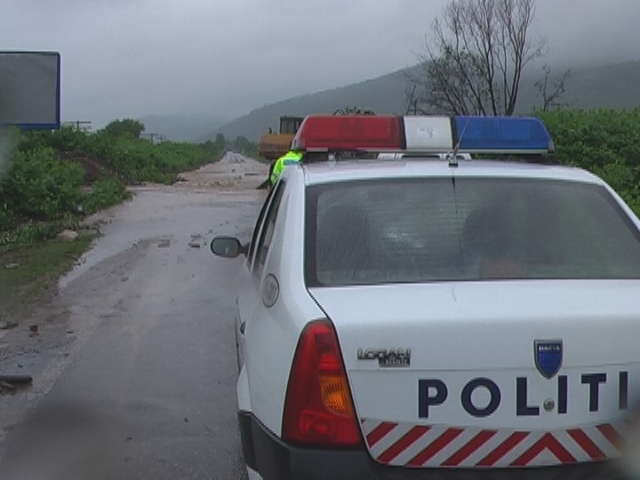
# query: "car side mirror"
x,y
228,247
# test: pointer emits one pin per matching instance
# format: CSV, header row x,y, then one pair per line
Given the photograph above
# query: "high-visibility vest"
x,y
289,158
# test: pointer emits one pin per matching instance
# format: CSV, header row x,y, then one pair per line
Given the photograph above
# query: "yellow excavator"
x,y
273,145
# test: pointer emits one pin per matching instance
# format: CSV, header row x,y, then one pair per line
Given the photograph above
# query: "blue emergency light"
x,y
502,134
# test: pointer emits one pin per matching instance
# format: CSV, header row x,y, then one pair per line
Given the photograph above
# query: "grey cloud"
x,y
142,57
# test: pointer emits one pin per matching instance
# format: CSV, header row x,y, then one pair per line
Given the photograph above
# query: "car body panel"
x,y
470,338
271,332
461,331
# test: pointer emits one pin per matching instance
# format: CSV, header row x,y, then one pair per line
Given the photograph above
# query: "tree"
x,y
243,145
474,58
125,127
552,90
220,142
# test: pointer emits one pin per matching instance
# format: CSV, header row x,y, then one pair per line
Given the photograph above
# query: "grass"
x,y
27,271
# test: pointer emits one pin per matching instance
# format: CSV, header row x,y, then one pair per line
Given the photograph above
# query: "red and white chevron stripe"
x,y
436,446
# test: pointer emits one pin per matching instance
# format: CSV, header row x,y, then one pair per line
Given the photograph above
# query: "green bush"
x,y
39,186
6,217
140,161
119,148
605,142
66,139
106,193
134,159
126,127
176,157
594,138
40,193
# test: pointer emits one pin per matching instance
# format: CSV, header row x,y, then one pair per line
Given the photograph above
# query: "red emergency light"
x,y
349,133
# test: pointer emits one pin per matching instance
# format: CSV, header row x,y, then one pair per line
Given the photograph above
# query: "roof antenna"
x,y
453,160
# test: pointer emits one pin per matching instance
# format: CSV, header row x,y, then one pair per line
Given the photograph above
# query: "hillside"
x,y
608,86
604,86
382,94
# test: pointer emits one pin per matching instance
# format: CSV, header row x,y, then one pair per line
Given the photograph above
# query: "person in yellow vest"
x,y
289,158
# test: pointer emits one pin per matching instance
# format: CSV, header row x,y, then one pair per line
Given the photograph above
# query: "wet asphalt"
x,y
135,373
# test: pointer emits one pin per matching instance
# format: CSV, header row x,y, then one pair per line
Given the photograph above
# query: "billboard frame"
x,y
40,126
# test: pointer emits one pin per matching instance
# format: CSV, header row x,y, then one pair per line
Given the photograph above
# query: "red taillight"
x,y
318,409
349,132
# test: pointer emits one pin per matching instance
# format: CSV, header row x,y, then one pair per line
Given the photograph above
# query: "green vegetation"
x,y
38,186
27,271
605,142
52,177
243,145
106,193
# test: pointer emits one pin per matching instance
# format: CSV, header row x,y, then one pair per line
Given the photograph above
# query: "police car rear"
x,y
484,317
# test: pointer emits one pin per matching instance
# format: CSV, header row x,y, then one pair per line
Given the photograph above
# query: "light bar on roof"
x,y
498,134
423,134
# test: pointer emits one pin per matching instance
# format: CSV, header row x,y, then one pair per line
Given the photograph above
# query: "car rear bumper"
x,y
274,459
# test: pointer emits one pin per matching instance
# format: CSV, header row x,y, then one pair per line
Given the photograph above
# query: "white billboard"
x,y
30,90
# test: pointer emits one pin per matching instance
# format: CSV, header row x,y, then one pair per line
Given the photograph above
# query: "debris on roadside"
x,y
16,379
7,324
10,383
68,235
195,241
6,388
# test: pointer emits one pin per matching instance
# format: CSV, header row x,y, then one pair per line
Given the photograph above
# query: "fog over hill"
x,y
182,127
603,86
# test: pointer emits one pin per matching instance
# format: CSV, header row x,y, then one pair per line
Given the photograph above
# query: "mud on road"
x,y
133,360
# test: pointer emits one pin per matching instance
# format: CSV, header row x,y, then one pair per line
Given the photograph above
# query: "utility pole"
x,y
80,125
151,137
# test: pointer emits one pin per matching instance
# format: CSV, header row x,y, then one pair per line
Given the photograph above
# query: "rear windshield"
x,y
428,230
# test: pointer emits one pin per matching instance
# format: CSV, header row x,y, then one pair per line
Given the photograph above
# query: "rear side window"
x,y
426,230
256,230
266,234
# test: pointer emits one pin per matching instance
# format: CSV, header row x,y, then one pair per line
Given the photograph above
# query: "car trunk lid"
x,y
489,374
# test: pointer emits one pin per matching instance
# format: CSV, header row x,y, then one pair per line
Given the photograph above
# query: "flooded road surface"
x,y
134,360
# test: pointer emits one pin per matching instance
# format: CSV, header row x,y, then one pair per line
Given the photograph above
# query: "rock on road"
x,y
134,363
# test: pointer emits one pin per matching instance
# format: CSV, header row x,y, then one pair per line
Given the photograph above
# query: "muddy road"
x,y
134,360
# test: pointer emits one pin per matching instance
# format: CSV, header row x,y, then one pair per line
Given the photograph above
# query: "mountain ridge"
x,y
588,87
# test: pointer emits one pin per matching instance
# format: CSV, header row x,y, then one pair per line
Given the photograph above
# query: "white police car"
x,y
410,318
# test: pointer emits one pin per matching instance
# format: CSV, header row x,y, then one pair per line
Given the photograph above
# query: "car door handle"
x,y
242,325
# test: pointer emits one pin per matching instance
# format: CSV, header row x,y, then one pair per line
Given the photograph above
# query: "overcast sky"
x,y
225,57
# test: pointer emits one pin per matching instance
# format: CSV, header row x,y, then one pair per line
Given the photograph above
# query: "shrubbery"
x,y
38,186
605,142
105,193
42,180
